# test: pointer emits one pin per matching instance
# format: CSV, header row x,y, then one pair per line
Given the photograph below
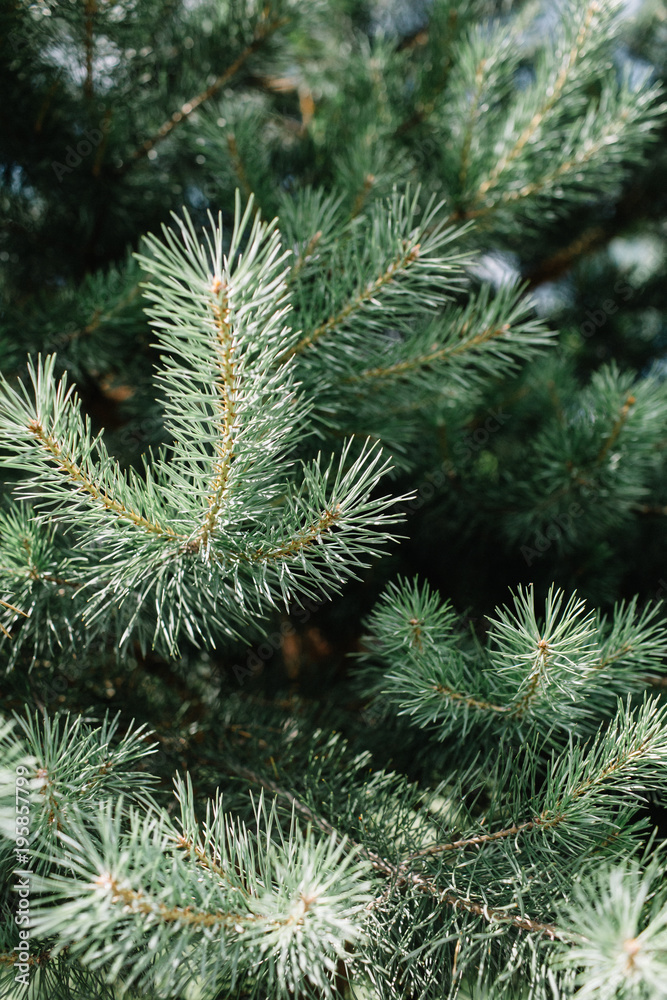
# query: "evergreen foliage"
x,y
281,275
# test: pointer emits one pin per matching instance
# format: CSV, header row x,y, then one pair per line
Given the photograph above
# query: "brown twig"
x,y
409,254
325,521
264,30
553,96
396,873
482,838
91,10
616,429
237,163
448,351
63,463
484,706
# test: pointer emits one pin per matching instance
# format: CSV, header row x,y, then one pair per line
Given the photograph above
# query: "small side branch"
x,y
136,901
398,874
537,675
471,122
300,541
441,354
264,30
76,475
553,96
490,914
547,181
91,10
402,260
204,861
482,838
616,429
483,706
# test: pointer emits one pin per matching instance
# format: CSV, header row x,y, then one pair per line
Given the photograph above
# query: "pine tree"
x,y
266,353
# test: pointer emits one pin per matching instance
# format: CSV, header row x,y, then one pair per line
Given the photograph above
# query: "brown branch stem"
x,y
90,10
264,30
65,464
402,260
616,429
553,96
484,706
300,541
136,901
398,874
401,367
482,838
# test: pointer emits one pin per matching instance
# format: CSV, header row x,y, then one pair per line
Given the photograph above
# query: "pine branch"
x,y
487,334
56,454
73,470
471,121
395,267
585,781
216,519
553,144
379,276
71,763
300,901
536,673
484,828
603,464
553,94
397,873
